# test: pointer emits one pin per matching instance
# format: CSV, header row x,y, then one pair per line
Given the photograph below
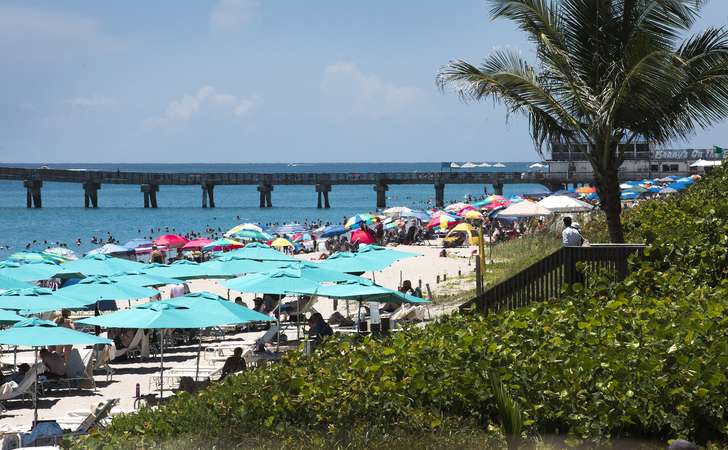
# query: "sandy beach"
x,y
69,407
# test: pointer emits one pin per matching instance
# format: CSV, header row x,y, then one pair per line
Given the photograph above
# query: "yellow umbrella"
x,y
473,215
280,243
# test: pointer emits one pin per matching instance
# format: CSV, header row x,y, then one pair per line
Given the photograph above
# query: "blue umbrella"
x,y
333,230
678,186
629,195
289,228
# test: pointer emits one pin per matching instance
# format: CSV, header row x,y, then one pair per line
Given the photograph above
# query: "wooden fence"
x,y
546,278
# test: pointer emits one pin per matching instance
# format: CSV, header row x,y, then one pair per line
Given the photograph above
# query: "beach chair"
x,y
79,373
25,388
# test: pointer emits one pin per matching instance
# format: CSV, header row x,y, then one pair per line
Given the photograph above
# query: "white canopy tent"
x,y
524,209
705,163
563,203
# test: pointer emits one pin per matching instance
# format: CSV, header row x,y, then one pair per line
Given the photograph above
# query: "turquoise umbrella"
x,y
34,332
315,272
155,316
261,252
96,265
144,279
10,317
252,234
36,300
217,309
379,252
199,310
25,256
41,333
349,262
235,265
183,270
12,283
294,278
34,271
367,291
278,282
99,287
369,258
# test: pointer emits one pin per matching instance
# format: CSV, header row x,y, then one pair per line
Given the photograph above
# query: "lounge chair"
x,y
79,372
134,347
49,433
24,388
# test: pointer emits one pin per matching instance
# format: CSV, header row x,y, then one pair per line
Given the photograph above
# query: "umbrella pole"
x,y
298,319
278,324
199,348
35,389
161,364
358,317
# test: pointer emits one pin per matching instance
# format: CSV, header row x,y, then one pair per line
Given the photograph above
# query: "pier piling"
x,y
322,191
266,195
498,188
150,195
381,190
91,194
208,193
33,196
439,195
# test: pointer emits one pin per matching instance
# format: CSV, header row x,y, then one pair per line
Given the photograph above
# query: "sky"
x,y
243,81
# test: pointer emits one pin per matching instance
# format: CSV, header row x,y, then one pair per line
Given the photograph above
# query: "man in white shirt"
x,y
571,237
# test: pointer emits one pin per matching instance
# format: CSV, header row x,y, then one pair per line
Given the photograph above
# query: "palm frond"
x,y
506,77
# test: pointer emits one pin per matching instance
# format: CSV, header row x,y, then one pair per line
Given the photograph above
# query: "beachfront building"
x,y
642,159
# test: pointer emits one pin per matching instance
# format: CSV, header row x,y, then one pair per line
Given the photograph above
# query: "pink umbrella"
x,y
196,244
362,237
170,240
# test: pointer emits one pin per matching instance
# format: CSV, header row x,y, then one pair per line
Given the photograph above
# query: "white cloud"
x,y
93,102
231,14
349,93
206,99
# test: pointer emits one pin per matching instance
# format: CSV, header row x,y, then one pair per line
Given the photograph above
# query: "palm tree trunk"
x,y
607,182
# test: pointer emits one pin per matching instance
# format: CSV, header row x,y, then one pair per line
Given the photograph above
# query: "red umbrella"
x,y
196,244
496,204
362,237
170,240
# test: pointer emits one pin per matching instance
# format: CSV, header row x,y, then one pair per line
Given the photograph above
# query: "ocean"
x,y
64,219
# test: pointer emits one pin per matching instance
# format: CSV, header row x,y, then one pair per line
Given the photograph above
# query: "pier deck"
x,y
150,182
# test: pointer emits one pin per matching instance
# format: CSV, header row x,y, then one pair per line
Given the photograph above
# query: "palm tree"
x,y
609,72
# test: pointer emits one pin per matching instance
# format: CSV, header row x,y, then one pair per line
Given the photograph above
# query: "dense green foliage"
x,y
647,357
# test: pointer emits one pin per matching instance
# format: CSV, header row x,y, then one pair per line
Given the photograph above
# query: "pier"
x,y
150,183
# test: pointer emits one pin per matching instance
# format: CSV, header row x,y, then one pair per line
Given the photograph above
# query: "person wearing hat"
x,y
571,236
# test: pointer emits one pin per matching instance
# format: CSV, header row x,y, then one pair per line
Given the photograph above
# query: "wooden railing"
x,y
546,278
